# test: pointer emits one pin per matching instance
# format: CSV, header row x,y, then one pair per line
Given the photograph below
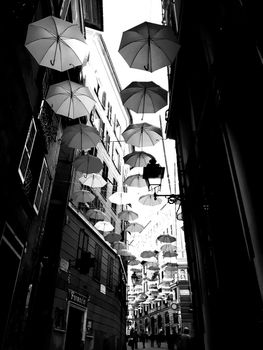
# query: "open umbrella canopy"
x,y
88,164
126,253
149,46
119,245
92,180
134,227
148,199
120,198
166,238
170,254
56,43
167,247
95,214
147,254
135,181
70,99
81,136
144,97
134,262
83,196
112,237
142,134
128,215
104,226
137,159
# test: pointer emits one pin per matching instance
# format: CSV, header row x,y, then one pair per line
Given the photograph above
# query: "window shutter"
x,y
27,151
40,186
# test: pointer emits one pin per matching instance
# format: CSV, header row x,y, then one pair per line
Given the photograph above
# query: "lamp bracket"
x,y
172,198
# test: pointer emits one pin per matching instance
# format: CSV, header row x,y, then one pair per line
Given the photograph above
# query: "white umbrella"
x,y
56,43
92,180
70,99
104,226
120,198
148,199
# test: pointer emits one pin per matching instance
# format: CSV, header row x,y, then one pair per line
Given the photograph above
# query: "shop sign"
x,y
77,298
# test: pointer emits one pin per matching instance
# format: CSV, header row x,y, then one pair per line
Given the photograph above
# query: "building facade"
x,y
215,88
38,247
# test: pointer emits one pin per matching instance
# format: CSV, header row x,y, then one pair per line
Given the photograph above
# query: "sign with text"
x,y
77,298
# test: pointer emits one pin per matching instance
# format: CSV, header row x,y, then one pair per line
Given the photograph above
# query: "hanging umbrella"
x,y
166,238
134,227
81,136
149,200
56,43
134,269
144,97
126,253
171,267
137,159
147,254
169,254
88,164
83,196
70,99
120,198
119,245
149,46
142,134
128,215
134,262
104,226
112,237
167,247
92,180
135,181
95,214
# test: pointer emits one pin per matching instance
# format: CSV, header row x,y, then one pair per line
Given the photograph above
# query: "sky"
x,y
119,16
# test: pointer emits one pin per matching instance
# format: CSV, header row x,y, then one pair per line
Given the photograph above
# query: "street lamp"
x,y
153,174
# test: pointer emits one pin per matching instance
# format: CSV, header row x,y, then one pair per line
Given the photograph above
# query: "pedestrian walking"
x,y
142,338
152,339
185,341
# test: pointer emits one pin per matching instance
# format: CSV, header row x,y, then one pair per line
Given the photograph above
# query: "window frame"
x,y
27,150
39,187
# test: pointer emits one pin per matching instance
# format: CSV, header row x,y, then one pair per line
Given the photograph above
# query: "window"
x,y
114,186
93,151
103,99
117,160
117,129
107,142
112,221
97,265
11,252
110,266
105,171
114,207
109,112
82,243
27,151
40,186
93,14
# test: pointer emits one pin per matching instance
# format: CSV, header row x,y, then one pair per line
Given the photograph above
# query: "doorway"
x,y
74,329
